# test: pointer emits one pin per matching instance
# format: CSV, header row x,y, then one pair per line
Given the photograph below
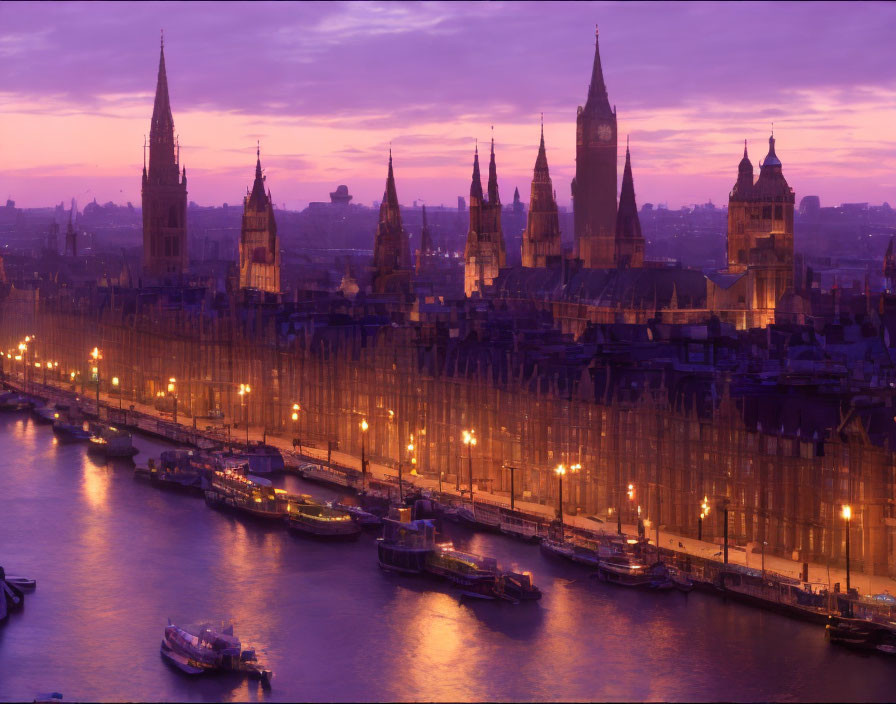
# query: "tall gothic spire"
x,y
476,185
597,90
628,225
162,121
493,178
541,162
258,200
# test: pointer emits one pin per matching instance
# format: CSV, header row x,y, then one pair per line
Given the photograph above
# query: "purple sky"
x,y
327,86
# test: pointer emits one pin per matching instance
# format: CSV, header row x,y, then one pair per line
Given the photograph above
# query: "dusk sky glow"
x,y
326,87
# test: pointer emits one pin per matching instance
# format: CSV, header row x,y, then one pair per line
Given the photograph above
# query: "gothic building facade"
x,y
391,247
259,244
760,230
164,191
594,185
541,239
485,253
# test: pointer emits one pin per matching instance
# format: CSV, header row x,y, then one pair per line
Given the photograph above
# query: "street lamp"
x,y
704,512
115,386
847,516
23,348
295,427
243,392
470,441
96,355
364,427
764,544
172,389
560,471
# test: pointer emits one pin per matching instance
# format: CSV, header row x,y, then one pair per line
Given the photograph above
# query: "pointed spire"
x,y
745,150
541,162
771,158
493,197
161,112
597,89
390,196
258,199
476,184
628,224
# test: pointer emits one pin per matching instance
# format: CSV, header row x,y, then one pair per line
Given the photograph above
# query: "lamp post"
x,y
172,389
295,427
847,516
704,512
512,487
560,470
470,441
764,543
96,356
723,505
631,498
243,392
23,349
364,427
115,385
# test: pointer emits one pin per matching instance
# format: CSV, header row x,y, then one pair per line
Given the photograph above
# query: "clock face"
x,y
604,133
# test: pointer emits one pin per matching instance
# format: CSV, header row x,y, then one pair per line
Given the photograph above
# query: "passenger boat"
x,y
11,402
405,544
250,495
476,576
262,459
199,649
72,432
625,570
321,521
109,441
681,580
329,475
861,634
773,591
519,525
518,586
365,519
44,413
557,548
481,515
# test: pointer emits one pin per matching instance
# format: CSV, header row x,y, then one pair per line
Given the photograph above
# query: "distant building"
x,y
164,191
760,230
541,240
259,245
340,196
485,253
594,185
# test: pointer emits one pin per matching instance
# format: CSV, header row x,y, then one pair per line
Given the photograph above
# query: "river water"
x,y
114,558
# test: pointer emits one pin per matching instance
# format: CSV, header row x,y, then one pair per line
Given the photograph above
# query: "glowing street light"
x,y
847,516
96,355
296,441
172,389
115,385
469,437
364,426
244,391
704,512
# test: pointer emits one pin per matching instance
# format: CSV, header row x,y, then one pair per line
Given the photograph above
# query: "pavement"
x,y
819,574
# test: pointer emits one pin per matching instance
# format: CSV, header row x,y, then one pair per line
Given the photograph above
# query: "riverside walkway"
x,y
148,419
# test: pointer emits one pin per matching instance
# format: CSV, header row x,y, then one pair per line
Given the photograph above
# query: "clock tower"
x,y
594,186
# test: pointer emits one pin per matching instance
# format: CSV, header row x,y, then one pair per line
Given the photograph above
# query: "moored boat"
x,y
518,586
250,495
11,402
405,544
321,521
625,570
109,441
262,459
329,475
199,649
365,519
476,576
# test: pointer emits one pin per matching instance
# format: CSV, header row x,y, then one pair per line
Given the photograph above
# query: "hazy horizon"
x,y
327,87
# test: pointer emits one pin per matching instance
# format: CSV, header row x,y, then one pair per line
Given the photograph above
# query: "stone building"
x,y
485,253
391,247
629,253
760,234
541,239
594,185
259,245
164,191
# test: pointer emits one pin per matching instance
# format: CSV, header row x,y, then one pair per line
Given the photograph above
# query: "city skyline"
x,y
327,88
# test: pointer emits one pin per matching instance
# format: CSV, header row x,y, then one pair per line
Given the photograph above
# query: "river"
x,y
114,558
